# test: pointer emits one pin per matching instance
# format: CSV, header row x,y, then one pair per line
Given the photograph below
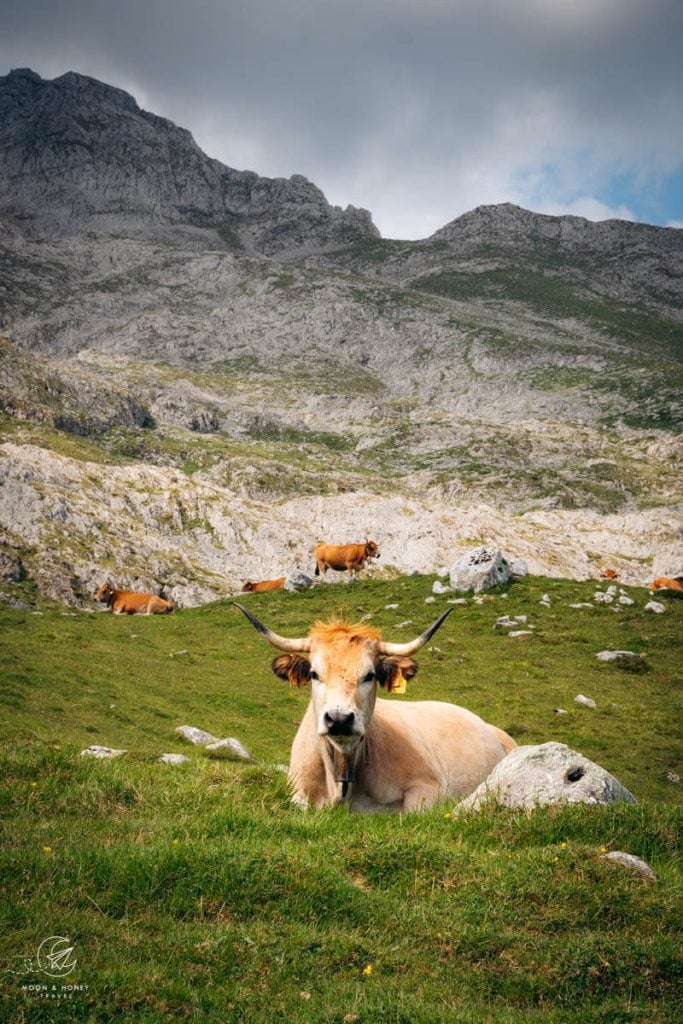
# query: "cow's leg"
x,y
421,796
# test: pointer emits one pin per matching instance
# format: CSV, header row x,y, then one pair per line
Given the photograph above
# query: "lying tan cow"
x,y
608,574
376,754
262,585
344,557
668,583
126,602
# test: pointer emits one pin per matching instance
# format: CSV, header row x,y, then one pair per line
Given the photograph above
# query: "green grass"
x,y
199,893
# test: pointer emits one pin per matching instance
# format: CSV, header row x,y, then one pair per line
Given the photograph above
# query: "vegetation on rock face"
x,y
199,889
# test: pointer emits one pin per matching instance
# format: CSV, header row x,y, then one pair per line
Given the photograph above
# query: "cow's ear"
x,y
294,667
393,673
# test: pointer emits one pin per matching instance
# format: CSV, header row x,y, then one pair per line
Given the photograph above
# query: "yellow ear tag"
x,y
399,683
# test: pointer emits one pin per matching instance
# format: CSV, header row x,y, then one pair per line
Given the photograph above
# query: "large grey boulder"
x,y
480,569
548,773
298,581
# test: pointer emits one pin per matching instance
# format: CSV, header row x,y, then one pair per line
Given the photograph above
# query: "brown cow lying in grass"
x,y
263,585
126,602
608,574
344,557
668,583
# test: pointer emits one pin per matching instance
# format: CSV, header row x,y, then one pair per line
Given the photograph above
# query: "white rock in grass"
x,y
439,588
102,752
430,599
196,736
587,702
504,622
174,759
655,606
623,599
629,660
229,747
479,569
520,632
631,863
547,773
298,581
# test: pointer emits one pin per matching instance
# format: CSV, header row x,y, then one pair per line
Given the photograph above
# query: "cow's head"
x,y
371,549
104,592
247,588
344,665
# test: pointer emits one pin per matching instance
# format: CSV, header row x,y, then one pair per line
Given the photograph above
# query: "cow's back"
x,y
445,742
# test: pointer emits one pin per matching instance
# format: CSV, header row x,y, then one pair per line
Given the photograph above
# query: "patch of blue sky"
x,y
561,187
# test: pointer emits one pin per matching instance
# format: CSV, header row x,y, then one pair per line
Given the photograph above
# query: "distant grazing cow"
x,y
258,588
609,574
376,754
126,602
668,583
344,557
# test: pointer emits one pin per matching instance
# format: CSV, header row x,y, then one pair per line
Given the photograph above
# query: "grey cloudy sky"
x,y
417,110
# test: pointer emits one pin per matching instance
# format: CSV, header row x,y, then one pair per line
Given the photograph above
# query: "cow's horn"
x,y
405,650
283,643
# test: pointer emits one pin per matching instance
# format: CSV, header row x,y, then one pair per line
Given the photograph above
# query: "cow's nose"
x,y
338,723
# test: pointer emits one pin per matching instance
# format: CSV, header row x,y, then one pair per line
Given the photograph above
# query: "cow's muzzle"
x,y
339,723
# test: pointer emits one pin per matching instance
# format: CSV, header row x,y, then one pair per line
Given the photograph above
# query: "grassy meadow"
x,y
197,893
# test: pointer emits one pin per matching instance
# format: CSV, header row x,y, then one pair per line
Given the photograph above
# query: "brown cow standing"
x,y
668,583
263,585
126,602
344,557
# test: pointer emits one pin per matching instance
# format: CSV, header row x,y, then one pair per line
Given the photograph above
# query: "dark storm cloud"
x,y
417,110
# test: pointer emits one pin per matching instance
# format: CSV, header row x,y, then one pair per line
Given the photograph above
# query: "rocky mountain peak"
x,y
506,225
78,155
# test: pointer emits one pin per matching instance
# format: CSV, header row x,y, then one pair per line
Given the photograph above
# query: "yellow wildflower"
x,y
47,849
367,970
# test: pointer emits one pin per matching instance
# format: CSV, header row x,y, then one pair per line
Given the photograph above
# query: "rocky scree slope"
x,y
169,315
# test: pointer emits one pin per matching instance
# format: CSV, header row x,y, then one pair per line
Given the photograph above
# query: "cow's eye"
x,y
313,675
369,678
